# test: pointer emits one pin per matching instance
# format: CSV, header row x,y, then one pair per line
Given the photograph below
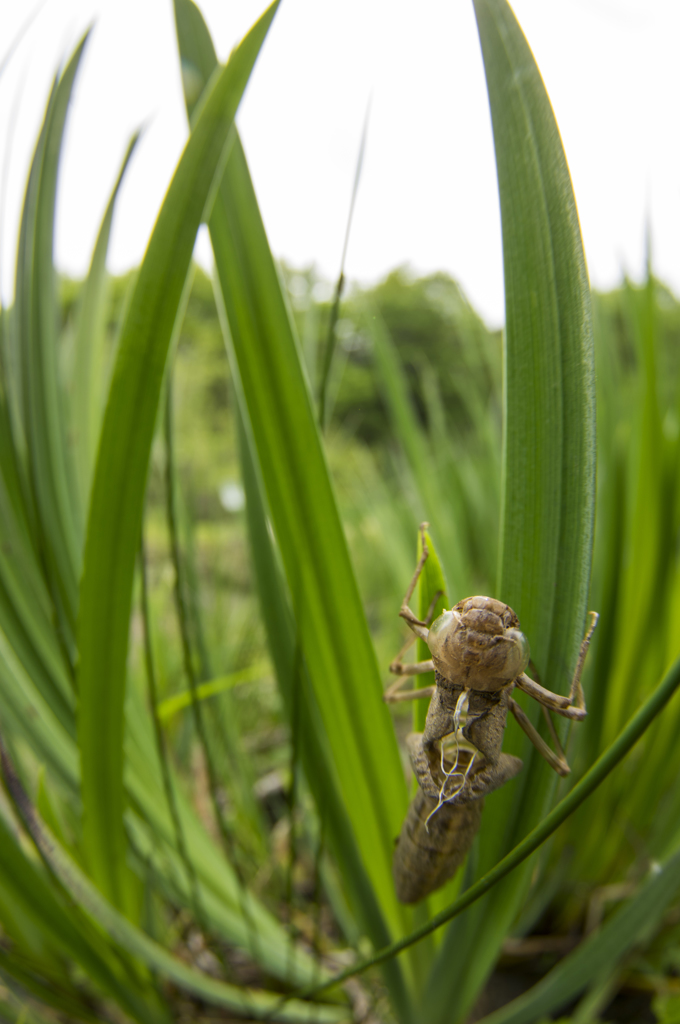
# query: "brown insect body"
x,y
479,655
477,648
432,846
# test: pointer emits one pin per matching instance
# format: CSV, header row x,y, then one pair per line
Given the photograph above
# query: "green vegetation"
x,y
199,592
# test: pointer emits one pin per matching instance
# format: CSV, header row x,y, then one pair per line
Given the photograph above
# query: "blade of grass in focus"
x,y
328,614
280,426
120,475
548,461
291,673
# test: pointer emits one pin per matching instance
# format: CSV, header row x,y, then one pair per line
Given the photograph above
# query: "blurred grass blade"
x,y
30,909
39,419
29,720
229,741
598,955
128,937
87,399
647,542
179,701
117,500
13,46
324,412
548,459
412,437
222,900
329,617
161,745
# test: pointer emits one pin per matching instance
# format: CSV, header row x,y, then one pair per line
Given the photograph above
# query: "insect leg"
x,y
398,668
573,706
414,668
576,690
417,625
553,733
555,760
393,693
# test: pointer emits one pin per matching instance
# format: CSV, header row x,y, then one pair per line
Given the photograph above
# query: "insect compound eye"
x,y
442,630
518,655
442,625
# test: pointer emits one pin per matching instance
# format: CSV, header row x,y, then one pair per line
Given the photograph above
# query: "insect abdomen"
x,y
425,858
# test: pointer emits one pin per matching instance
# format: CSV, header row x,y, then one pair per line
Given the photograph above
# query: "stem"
x,y
335,309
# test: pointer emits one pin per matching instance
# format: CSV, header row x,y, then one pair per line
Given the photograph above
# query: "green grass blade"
x,y
327,361
36,921
430,584
233,912
88,394
415,444
179,701
128,937
43,426
292,672
599,954
117,501
645,558
328,612
548,457
161,744
30,716
329,618
333,634
26,617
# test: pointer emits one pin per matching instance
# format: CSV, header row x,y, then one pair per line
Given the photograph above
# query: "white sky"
x,y
428,193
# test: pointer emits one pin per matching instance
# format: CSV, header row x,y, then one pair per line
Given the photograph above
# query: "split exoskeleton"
x,y
479,656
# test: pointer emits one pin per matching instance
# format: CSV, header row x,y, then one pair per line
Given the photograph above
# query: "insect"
x,y
479,656
432,846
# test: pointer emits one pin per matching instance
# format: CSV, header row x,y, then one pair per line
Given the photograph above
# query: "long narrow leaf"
x,y
39,418
292,672
280,421
55,931
89,355
120,476
548,457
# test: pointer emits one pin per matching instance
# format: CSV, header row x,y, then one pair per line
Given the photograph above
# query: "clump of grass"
x,y
252,831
